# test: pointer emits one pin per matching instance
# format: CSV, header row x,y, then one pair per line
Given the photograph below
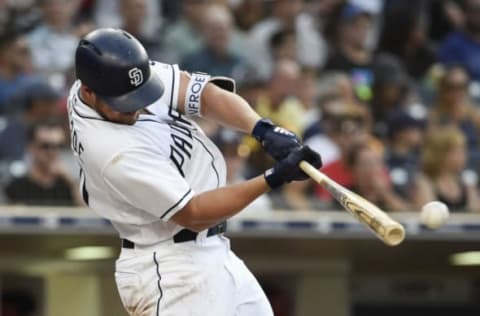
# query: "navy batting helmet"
x,y
116,67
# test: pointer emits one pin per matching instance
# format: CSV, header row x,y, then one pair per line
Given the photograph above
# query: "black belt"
x,y
184,235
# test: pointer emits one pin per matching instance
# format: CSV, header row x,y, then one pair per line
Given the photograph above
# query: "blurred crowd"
x,y
385,91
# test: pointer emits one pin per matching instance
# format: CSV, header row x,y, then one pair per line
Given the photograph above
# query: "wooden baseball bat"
x,y
389,231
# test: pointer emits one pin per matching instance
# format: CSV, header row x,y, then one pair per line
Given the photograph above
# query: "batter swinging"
x,y
154,174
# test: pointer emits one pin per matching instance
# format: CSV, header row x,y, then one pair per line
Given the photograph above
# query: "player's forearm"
x,y
228,109
212,207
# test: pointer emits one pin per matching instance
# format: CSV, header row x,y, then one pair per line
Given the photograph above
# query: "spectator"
x,y
453,107
250,86
215,57
18,15
287,14
340,124
283,45
404,34
370,179
405,136
247,13
15,64
463,47
45,182
183,37
390,91
350,53
336,85
107,13
443,164
38,101
133,14
307,94
444,17
278,102
344,125
322,136
53,42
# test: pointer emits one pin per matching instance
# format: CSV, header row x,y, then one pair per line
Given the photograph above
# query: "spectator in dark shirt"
x,y
463,47
45,182
350,53
445,177
443,17
405,134
390,91
36,102
215,58
404,35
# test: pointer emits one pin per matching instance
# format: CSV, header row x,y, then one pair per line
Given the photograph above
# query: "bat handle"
x,y
312,172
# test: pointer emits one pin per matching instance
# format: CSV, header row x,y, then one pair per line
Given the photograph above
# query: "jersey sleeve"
x,y
147,182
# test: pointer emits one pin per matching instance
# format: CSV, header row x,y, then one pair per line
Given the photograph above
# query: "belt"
x,y
184,235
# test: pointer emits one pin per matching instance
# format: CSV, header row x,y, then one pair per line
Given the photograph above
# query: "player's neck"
x,y
88,101
85,99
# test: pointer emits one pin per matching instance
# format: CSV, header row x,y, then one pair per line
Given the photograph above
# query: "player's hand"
x,y
276,140
288,169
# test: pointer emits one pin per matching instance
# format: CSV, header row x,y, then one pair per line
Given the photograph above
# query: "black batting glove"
x,y
288,169
277,141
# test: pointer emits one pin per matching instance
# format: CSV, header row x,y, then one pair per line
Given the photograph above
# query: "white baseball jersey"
x,y
138,176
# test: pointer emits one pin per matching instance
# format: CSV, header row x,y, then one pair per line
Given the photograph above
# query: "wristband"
x,y
193,95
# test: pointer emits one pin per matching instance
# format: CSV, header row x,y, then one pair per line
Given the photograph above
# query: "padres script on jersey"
x,y
139,176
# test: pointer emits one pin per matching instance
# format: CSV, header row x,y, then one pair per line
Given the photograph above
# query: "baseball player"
x,y
154,174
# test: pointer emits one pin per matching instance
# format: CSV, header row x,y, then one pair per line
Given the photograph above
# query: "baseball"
x,y
434,214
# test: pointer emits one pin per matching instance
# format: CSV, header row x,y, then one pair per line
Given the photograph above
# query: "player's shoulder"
x,y
164,68
114,141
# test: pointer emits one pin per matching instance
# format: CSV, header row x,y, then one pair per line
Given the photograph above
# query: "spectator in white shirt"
x,y
53,42
287,14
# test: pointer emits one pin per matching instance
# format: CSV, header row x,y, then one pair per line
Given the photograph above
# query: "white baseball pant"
x,y
196,278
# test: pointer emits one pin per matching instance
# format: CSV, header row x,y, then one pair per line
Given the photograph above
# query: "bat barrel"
x,y
394,235
388,230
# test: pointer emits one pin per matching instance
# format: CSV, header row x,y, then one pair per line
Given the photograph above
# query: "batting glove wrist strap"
x,y
261,127
277,141
274,179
